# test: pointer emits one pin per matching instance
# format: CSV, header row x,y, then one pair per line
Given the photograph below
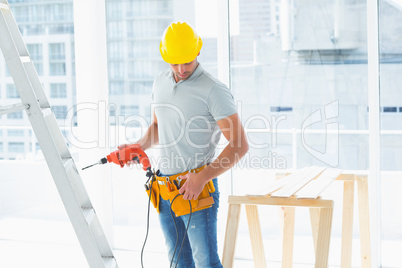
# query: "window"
x,y
143,69
1,147
140,88
15,133
15,115
116,88
60,111
60,12
281,109
7,71
58,90
291,74
57,51
116,50
115,29
37,147
57,69
390,109
57,59
16,147
35,51
141,49
390,17
128,110
116,70
12,91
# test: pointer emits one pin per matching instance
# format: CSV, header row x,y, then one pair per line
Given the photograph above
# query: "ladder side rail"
x,y
77,183
73,195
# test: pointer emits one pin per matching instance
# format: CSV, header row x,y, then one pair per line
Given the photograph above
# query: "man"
x,y
191,109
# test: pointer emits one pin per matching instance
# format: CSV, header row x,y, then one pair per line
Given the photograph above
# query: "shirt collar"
x,y
198,71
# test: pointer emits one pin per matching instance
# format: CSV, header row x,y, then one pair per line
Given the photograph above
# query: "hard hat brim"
x,y
182,58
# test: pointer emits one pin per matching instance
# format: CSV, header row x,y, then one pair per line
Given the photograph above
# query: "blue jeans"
x,y
200,247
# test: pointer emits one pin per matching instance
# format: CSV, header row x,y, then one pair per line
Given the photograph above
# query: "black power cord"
x,y
146,236
177,232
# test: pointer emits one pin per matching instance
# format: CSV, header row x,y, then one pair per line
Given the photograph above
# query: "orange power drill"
x,y
128,153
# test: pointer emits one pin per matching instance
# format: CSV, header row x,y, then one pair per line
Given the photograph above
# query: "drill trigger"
x,y
136,159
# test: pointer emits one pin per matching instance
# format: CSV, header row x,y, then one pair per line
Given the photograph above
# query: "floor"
x,y
48,244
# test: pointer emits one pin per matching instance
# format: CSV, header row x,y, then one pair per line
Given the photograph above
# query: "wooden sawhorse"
x,y
321,216
350,179
321,220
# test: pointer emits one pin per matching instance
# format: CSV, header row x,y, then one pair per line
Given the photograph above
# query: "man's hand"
x,y
129,162
192,187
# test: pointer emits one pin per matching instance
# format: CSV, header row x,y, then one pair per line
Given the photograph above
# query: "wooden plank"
x,y
281,201
288,228
255,236
323,238
295,185
232,225
364,221
315,220
346,177
285,180
350,175
318,185
347,223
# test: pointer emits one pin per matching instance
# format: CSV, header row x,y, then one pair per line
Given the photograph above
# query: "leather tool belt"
x,y
168,187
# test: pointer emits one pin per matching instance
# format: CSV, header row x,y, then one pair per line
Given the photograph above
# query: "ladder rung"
x,y
110,262
68,163
4,6
89,214
47,111
12,108
25,59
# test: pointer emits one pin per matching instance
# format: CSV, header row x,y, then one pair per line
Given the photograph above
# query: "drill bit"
x,y
100,162
97,163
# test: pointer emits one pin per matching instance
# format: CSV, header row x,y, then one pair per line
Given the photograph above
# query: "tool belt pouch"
x,y
155,194
182,207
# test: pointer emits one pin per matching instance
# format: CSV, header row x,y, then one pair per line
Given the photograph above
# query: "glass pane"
x,y
58,69
134,31
60,111
35,51
30,206
299,74
16,147
16,115
12,91
58,90
390,32
308,76
57,51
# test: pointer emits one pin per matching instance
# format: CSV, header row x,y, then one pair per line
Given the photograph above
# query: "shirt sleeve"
x,y
221,102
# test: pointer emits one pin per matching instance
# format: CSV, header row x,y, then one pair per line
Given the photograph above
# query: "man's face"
x,y
183,71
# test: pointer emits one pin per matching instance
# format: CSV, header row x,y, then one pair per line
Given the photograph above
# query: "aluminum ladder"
x,y
62,167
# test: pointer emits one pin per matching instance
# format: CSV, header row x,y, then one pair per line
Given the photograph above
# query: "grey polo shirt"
x,y
187,114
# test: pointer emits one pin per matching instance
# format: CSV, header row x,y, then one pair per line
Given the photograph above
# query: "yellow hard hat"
x,y
180,43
